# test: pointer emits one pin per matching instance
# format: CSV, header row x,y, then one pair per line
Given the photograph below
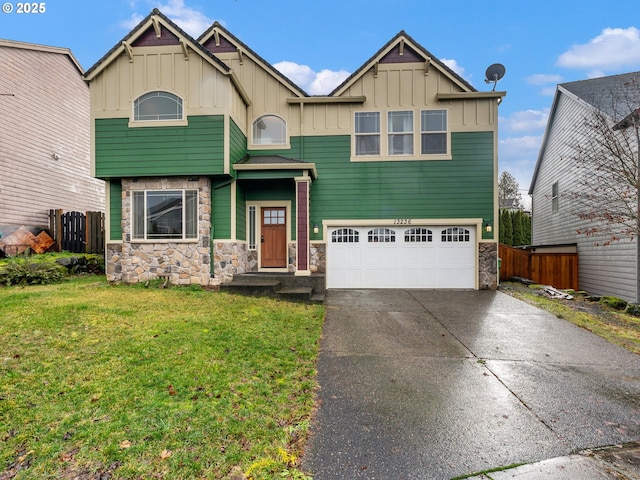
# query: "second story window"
x,y
433,127
157,106
367,133
269,130
400,127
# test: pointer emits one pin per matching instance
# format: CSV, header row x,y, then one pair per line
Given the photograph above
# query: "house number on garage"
x,y
402,221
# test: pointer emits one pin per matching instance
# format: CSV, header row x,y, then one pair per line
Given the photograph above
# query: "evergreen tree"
x,y
517,229
501,233
526,224
508,229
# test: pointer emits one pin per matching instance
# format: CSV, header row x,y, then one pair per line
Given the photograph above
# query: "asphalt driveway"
x,y
431,384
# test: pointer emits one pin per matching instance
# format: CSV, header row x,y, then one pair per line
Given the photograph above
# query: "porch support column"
x,y
303,185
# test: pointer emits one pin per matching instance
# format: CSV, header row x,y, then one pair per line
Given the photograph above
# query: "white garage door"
x,y
401,257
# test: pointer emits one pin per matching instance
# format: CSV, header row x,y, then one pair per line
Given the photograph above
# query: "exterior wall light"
x,y
487,226
315,228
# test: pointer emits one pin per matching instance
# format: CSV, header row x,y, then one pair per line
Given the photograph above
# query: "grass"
x,y
100,381
615,326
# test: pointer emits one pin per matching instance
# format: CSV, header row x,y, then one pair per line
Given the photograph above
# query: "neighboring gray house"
x,y
45,148
603,269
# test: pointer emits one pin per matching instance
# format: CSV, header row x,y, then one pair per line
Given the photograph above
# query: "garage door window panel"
x,y
455,234
345,235
414,235
385,235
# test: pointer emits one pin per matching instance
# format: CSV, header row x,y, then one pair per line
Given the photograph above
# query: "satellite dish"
x,y
494,73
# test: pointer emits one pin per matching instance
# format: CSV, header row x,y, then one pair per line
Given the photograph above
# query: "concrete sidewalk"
x,y
427,384
615,463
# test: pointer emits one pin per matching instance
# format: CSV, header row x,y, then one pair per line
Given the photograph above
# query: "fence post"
x,y
55,225
94,236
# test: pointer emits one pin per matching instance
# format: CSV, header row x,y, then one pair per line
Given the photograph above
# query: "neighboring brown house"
x,y
45,160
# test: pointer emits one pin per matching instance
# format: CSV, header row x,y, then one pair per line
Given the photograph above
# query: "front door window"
x,y
274,237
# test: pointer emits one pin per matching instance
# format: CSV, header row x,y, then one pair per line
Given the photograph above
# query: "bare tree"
x,y
606,160
508,188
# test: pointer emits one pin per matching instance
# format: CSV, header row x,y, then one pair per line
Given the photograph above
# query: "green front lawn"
x,y
100,381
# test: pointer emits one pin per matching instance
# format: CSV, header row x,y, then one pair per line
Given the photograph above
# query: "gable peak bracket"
x,y
156,27
427,64
240,58
128,50
216,36
185,50
375,69
402,47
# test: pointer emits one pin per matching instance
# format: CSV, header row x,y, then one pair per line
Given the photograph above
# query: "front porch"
x,y
281,285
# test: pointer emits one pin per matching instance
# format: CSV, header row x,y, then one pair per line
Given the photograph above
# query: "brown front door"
x,y
274,238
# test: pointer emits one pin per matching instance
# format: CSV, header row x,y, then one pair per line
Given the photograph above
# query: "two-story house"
x,y
583,178
217,165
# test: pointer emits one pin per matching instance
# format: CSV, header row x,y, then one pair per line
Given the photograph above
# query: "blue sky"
x,y
317,43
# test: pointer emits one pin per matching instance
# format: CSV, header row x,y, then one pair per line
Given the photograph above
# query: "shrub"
x,y
614,302
83,264
28,271
633,309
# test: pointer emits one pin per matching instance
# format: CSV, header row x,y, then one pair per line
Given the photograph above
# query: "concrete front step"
x,y
283,286
257,287
296,293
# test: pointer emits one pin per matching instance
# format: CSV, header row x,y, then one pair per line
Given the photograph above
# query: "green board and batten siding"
x,y
462,187
221,195
237,143
115,210
196,149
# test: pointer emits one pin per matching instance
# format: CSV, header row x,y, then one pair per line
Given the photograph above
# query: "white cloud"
x,y
525,121
190,20
614,48
299,74
453,65
543,79
314,83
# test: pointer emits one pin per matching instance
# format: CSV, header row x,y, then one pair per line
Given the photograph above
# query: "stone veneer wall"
x,y
488,266
232,258
318,258
182,262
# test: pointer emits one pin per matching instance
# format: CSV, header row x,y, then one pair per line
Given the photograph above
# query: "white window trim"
x,y
133,123
384,139
555,202
270,146
165,240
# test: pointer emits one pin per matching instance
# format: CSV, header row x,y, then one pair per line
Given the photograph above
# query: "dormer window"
x,y
269,130
157,106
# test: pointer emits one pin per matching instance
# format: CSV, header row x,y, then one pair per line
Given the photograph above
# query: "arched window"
x,y
345,235
385,235
456,234
269,130
157,105
418,234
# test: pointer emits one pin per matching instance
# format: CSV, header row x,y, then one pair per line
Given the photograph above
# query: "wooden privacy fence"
x,y
77,232
559,270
